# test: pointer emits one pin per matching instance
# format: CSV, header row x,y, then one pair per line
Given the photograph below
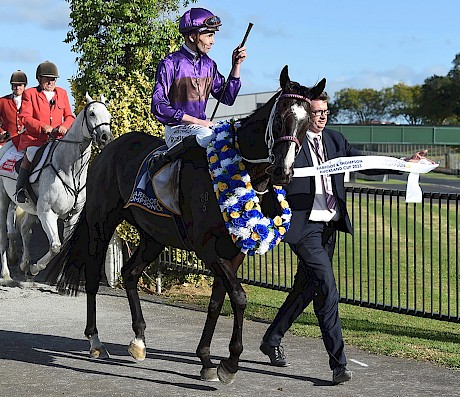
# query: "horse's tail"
x,y
66,267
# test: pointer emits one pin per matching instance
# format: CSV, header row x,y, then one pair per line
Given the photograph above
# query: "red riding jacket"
x,y
36,112
9,116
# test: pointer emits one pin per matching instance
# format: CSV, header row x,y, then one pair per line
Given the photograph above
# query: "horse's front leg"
x,y
228,367
49,221
209,370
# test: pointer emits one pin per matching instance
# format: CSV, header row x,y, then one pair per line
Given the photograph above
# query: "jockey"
x,y
45,111
10,106
184,81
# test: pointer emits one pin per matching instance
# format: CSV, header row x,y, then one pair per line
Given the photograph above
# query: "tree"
x,y
360,106
119,43
404,101
436,103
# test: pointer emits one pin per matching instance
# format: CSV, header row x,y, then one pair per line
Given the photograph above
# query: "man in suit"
x,y
318,211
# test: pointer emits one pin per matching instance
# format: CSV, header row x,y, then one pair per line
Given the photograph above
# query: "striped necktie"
x,y
330,199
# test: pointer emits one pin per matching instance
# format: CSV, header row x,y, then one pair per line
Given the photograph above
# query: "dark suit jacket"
x,y
301,191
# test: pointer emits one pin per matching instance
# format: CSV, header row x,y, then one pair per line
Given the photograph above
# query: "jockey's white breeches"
x,y
176,133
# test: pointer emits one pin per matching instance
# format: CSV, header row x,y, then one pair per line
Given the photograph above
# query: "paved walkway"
x,y
43,353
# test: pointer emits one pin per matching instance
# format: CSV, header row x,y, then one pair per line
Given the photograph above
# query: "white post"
x,y
159,282
114,259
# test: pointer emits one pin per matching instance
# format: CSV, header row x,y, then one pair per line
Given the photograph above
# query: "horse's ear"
x,y
102,99
284,78
318,89
88,98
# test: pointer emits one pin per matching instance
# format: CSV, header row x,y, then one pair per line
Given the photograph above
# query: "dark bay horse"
x,y
268,140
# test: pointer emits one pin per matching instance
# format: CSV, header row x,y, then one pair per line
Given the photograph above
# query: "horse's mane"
x,y
256,113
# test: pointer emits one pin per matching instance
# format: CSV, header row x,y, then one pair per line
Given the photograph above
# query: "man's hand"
x,y
238,55
415,158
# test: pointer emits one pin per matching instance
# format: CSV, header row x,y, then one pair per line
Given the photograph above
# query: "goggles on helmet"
x,y
212,22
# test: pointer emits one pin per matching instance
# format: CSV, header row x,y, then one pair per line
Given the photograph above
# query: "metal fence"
x,y
402,257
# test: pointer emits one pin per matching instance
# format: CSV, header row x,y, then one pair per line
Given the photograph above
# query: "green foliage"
x,y
403,101
360,106
117,37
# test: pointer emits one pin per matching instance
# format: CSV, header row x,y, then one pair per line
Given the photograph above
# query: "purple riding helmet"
x,y
199,19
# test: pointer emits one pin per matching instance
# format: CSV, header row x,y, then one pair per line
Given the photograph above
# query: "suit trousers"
x,y
314,281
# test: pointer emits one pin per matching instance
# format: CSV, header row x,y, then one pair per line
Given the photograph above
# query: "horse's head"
x,y
289,121
97,121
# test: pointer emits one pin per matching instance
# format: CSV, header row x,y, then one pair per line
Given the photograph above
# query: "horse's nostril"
x,y
103,137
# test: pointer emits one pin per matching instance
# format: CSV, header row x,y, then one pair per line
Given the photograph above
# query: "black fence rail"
x,y
402,257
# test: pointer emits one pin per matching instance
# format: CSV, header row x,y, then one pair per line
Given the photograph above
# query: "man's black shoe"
x,y
275,353
341,374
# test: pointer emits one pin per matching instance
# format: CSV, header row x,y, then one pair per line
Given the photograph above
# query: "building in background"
x,y
244,105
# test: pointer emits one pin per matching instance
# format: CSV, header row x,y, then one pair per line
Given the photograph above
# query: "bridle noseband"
x,y
269,140
85,119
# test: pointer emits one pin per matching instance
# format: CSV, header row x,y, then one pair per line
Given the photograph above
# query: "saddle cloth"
x,y
13,156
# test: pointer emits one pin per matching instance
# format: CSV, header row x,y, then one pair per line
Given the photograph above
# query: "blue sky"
x,y
354,43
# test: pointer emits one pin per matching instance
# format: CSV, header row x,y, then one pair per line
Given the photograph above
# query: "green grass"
x,y
371,330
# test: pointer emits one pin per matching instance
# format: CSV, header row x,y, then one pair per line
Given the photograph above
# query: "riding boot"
x,y
174,152
21,192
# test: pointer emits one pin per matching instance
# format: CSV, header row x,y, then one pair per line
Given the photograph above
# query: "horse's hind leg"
x,y
25,225
4,203
12,228
147,251
209,370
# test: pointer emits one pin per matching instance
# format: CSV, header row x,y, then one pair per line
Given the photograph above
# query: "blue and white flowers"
x,y
251,231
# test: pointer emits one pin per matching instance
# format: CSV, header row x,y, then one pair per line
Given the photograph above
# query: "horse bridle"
x,y
88,127
269,140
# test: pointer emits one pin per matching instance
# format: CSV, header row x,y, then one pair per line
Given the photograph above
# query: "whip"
x,y
250,25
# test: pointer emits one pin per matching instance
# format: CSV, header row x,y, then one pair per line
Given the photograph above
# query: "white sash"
x,y
358,163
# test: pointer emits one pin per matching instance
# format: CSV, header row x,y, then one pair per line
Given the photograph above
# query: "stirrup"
x,y
21,195
156,163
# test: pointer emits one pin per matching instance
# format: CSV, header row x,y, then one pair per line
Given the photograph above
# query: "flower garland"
x,y
251,231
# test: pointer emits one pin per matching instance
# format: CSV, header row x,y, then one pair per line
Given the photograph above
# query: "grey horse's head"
x,y
97,121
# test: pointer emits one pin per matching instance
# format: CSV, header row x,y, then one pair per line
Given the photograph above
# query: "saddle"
x,y
160,195
11,159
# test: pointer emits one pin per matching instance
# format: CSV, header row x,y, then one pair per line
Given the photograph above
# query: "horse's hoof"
x,y
24,266
137,349
35,269
224,375
209,374
100,352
